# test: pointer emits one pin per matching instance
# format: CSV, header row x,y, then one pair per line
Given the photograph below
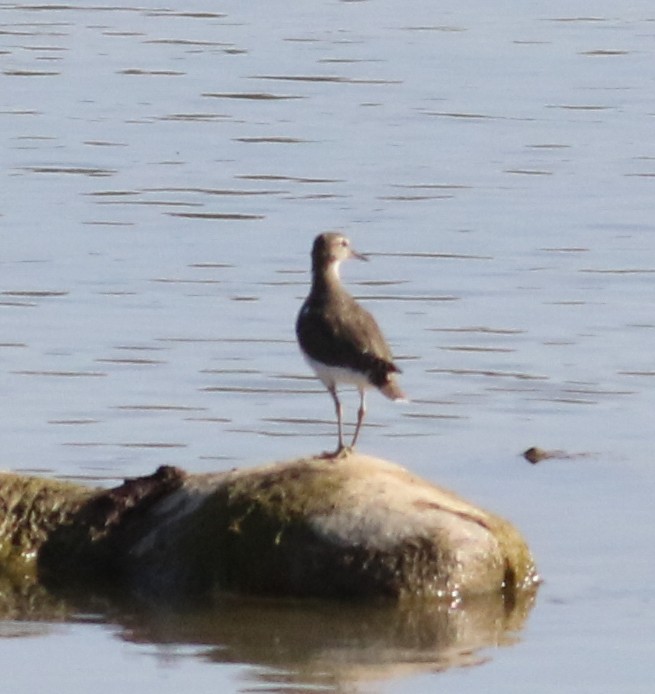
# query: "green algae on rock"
x,y
31,508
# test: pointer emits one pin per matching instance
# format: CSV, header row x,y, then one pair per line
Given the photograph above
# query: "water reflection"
x,y
338,645
333,645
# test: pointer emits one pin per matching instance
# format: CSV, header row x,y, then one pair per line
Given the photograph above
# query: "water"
x,y
165,169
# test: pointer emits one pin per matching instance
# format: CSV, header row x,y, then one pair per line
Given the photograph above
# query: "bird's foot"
x,y
340,453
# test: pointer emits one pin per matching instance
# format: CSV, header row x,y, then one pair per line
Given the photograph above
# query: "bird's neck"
x,y
326,278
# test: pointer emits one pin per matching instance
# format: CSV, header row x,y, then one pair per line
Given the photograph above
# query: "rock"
x,y
355,527
352,527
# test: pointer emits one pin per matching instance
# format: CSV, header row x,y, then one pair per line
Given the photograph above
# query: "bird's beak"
x,y
358,256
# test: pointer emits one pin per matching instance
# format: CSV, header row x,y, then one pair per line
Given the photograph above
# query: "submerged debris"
x,y
112,507
535,455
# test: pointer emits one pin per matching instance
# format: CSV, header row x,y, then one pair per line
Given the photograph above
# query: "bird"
x,y
339,339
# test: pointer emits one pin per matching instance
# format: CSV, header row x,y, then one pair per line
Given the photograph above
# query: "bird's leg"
x,y
337,406
361,412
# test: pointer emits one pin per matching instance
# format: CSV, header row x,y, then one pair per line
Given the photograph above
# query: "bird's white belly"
x,y
335,375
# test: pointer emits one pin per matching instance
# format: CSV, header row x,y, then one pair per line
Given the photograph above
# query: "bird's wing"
x,y
345,334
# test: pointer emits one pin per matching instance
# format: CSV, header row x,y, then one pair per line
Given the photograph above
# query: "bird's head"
x,y
332,248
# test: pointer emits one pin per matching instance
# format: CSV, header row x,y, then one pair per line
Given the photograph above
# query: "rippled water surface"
x,y
165,169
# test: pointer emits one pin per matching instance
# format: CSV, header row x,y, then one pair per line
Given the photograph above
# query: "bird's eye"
x,y
344,243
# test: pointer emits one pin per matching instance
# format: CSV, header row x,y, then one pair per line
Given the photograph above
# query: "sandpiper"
x,y
339,339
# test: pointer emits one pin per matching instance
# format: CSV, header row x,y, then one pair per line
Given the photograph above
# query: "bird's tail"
x,y
392,390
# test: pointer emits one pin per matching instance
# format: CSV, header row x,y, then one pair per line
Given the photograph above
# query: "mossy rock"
x,y
356,527
353,527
